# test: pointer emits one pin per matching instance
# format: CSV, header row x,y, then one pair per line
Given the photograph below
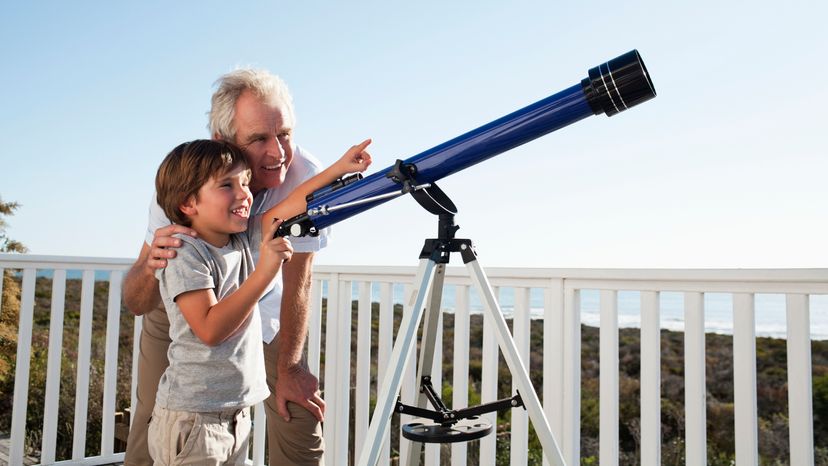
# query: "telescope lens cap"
x,y
618,84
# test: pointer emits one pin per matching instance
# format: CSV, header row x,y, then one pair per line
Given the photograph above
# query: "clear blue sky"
x,y
725,168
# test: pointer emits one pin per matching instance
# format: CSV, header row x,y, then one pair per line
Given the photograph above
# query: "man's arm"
x,y
140,292
295,383
140,286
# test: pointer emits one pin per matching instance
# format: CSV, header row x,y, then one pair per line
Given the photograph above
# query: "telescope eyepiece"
x,y
618,84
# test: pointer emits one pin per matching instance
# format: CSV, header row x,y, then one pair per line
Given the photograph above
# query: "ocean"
x,y
718,309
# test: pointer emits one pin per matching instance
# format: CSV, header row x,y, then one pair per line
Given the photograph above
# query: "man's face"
x,y
222,206
263,131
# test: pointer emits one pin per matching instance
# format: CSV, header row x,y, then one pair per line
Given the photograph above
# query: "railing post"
x,y
800,396
363,366
744,380
113,325
136,354
432,450
21,374
608,384
315,328
488,385
521,330
460,383
332,361
572,378
650,379
84,353
259,433
384,346
695,387
553,354
341,410
408,390
50,411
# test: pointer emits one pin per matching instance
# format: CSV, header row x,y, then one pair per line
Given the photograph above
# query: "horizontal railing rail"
x,y
362,299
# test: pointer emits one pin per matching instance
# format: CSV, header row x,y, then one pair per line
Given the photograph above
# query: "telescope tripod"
x,y
454,425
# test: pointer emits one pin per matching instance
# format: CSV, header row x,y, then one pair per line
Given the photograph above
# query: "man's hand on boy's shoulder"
x,y
140,291
164,244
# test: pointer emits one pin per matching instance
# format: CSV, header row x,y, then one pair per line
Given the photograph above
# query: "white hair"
x,y
265,85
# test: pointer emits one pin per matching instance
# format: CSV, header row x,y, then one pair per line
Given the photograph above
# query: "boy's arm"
x,y
211,320
356,159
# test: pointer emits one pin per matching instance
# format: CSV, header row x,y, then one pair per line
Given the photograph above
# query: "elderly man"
x,y
254,110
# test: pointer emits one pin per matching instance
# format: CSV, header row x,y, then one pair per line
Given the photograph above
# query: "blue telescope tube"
x,y
610,88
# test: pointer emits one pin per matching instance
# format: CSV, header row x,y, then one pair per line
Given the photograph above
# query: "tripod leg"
x,y
390,388
519,375
427,349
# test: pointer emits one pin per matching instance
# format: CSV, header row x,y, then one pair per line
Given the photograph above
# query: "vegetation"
x,y
68,369
7,244
10,306
771,394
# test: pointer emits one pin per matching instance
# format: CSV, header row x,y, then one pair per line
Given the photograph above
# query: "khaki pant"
x,y
296,442
152,362
214,438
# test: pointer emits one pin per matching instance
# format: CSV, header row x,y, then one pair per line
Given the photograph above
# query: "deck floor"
x,y
5,445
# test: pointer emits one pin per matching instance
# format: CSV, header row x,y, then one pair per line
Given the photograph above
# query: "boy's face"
x,y
222,206
263,131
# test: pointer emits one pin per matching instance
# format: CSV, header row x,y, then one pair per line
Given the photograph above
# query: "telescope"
x,y
609,88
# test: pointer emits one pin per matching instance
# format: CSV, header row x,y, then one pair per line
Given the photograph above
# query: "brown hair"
x,y
187,168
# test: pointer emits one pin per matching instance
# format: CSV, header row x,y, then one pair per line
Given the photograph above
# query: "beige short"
x,y
213,438
298,442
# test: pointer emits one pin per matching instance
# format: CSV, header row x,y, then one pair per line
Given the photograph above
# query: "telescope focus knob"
x,y
300,225
618,84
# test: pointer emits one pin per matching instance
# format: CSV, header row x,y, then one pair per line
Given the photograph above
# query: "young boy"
x,y
210,291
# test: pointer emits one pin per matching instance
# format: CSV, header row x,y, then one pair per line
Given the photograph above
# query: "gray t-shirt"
x,y
203,378
303,167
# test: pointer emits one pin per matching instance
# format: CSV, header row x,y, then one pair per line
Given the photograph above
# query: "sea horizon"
x,y
770,315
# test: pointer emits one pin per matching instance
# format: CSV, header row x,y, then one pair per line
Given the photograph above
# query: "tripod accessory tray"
x,y
461,431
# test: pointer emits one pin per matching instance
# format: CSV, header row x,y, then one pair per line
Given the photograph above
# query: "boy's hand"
x,y
274,251
355,160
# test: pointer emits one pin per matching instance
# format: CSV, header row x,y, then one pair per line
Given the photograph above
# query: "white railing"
x,y
29,266
347,380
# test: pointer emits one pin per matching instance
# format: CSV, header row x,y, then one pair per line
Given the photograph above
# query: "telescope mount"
x,y
440,424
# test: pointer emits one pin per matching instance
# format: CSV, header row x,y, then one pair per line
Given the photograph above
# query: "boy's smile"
x,y
221,207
